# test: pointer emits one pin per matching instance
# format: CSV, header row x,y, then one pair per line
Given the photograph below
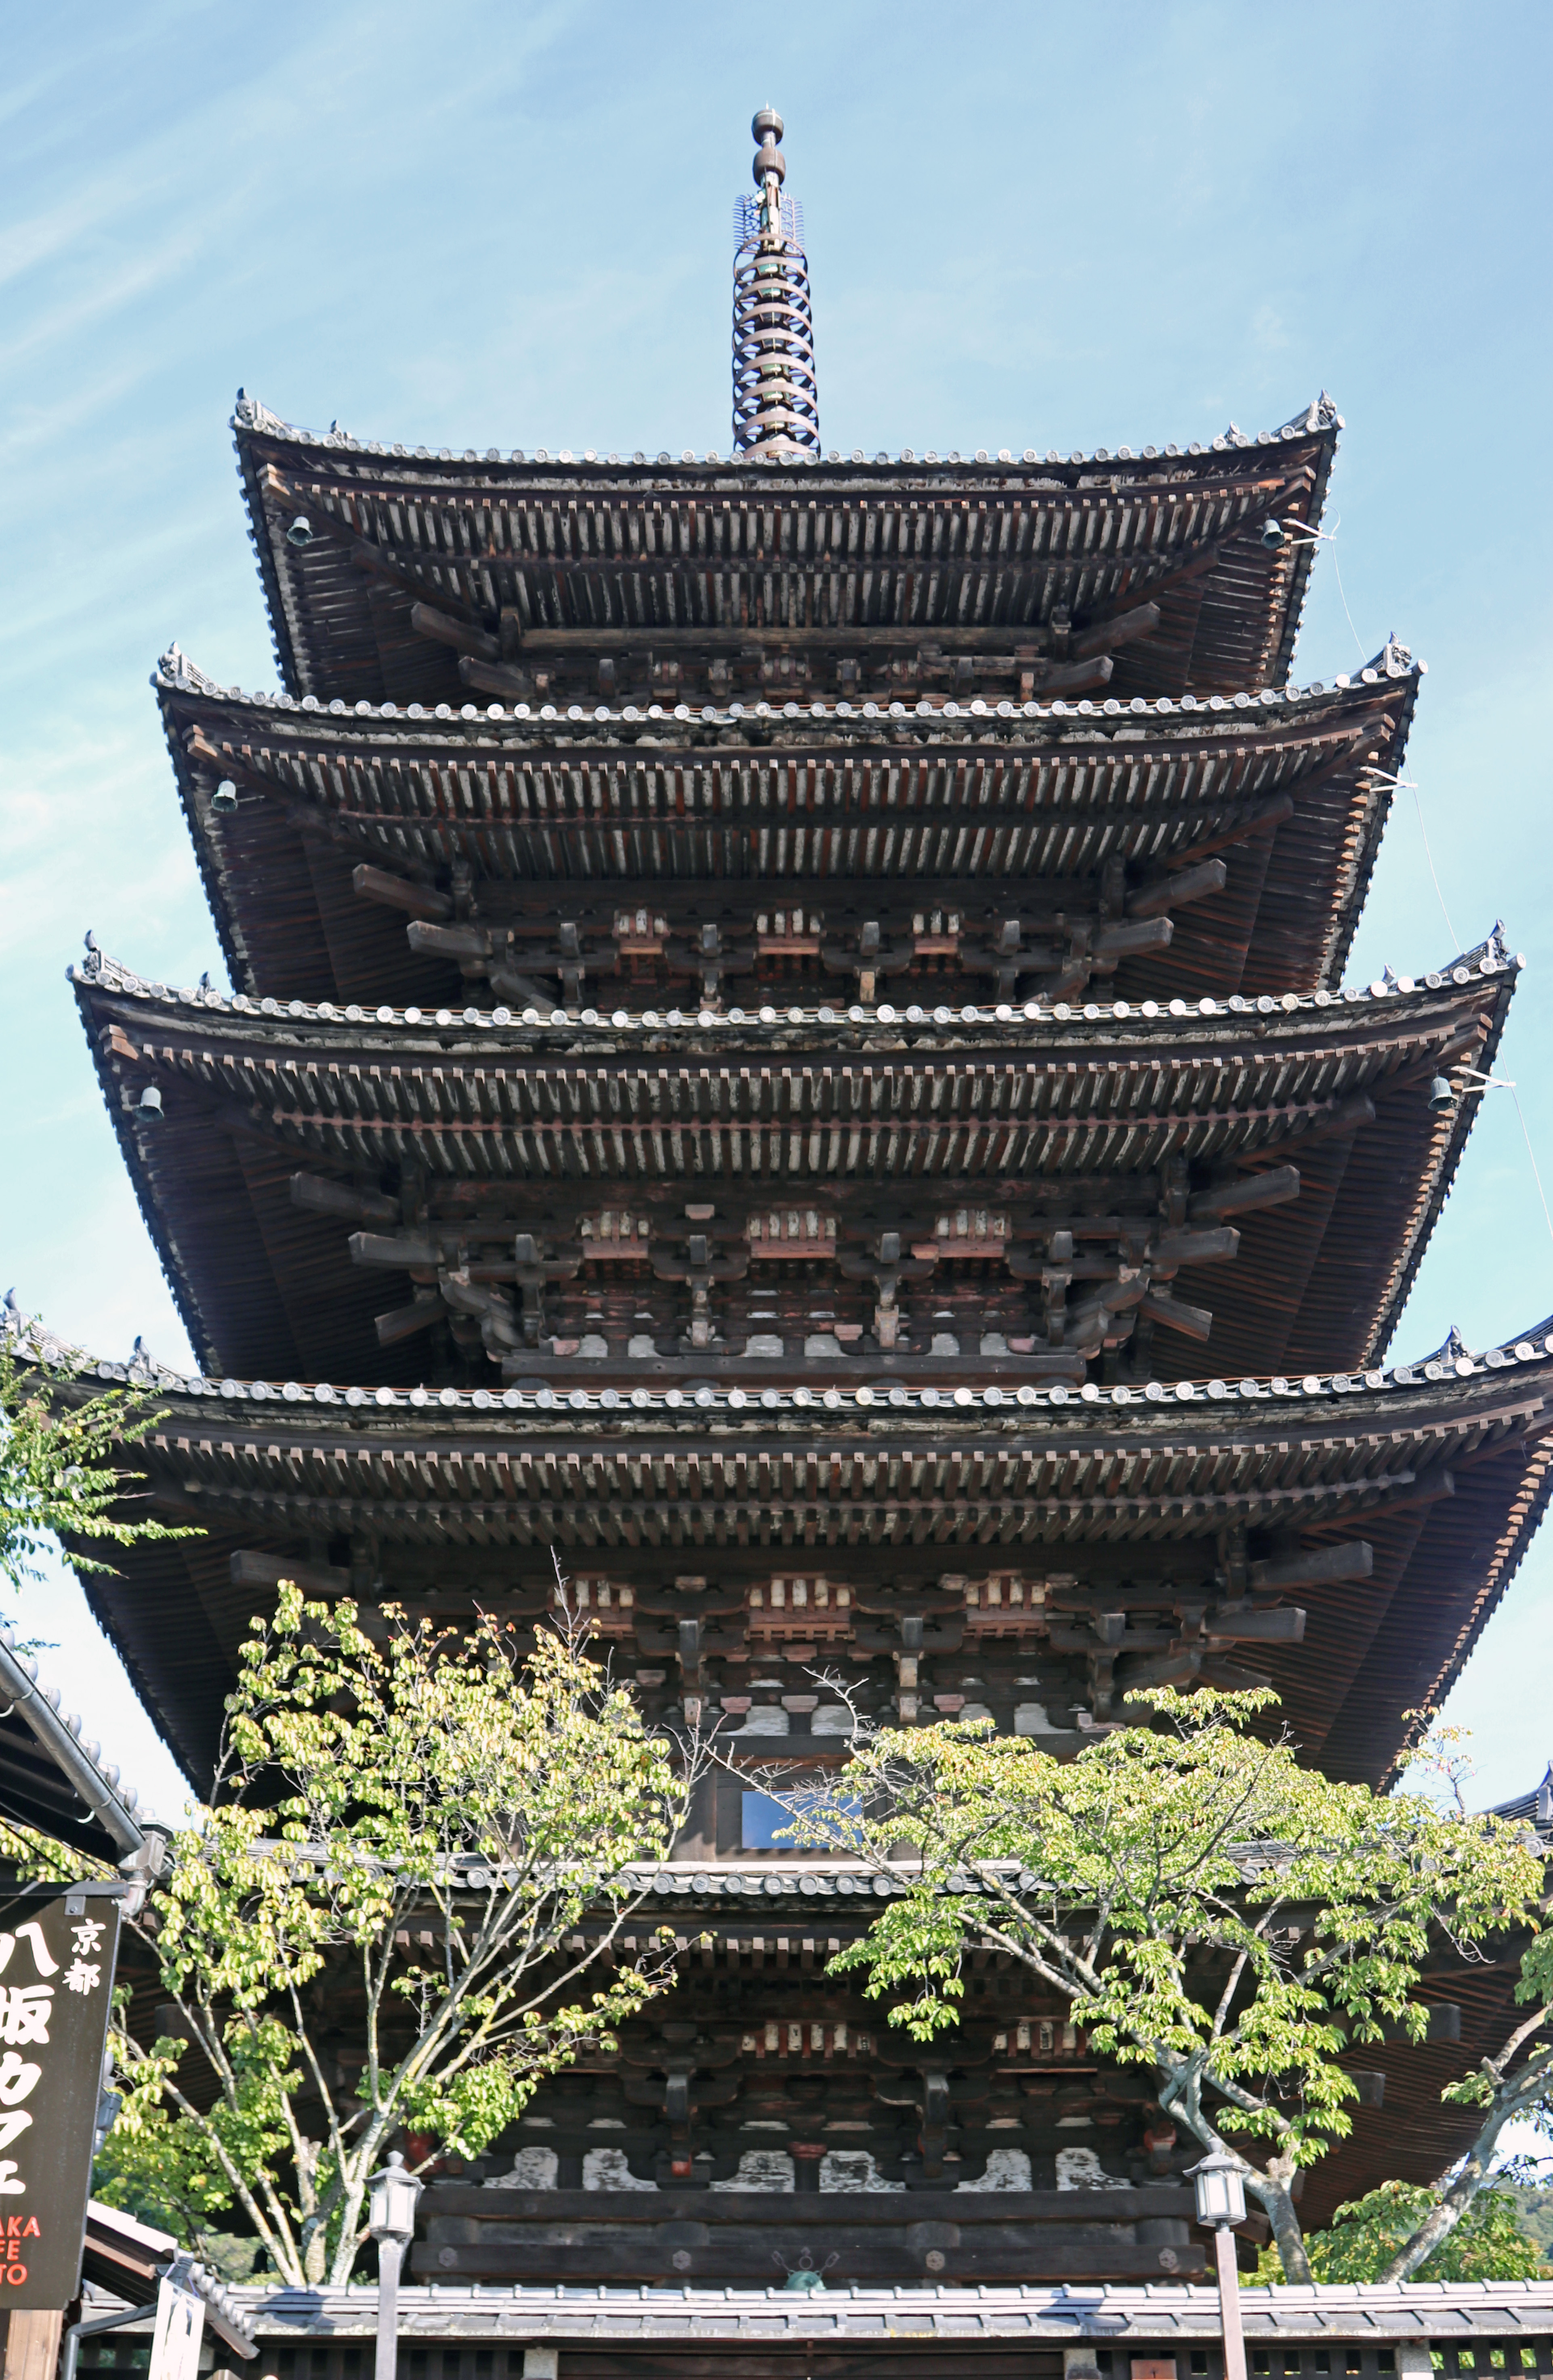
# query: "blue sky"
x,y
508,225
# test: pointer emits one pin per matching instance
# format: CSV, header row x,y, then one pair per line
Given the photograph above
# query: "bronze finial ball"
x,y
766,129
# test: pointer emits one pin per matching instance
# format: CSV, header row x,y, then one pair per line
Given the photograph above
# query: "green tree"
x,y
1512,2087
1533,2200
1366,2236
58,1474
1206,1906
397,1913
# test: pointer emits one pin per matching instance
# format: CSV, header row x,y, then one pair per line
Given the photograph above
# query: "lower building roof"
x,y
1173,2314
53,1777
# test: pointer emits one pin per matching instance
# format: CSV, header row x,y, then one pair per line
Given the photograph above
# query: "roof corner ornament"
x,y
143,1364
776,396
176,669
1452,1350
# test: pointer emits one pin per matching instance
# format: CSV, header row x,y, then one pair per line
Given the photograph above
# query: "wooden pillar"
x,y
32,2345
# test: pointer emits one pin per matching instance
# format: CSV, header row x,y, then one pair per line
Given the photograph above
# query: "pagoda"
x,y
790,1046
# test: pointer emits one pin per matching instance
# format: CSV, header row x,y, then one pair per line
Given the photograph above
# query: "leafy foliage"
x,y
406,1840
1533,2211
1489,2244
58,1472
1511,2085
1207,1907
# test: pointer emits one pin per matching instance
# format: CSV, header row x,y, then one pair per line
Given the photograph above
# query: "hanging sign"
x,y
57,1948
180,2326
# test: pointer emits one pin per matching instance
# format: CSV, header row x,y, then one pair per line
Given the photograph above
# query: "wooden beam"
x,y
511,905
1263,817
1010,2252
667,636
443,629
1174,892
606,1525
1174,1314
262,1570
422,1253
1347,1115
493,677
1118,628
1274,1188
1284,1626
455,942
1319,1567
1186,1569
397,893
1444,2024
405,1321
320,1197
867,2210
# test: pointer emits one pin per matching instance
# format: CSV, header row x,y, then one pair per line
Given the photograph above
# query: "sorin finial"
x,y
776,398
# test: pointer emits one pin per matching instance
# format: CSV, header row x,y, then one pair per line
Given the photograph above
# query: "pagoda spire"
x,y
776,397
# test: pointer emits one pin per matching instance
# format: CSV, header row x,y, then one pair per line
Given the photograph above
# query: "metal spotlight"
x,y
149,1105
300,532
1441,1095
1272,535
224,797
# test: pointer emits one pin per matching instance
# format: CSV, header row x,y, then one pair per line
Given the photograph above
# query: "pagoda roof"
x,y
583,552
829,1105
1443,1469
702,811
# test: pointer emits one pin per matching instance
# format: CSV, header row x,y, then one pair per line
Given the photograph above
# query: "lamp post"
x,y
390,2201
1220,2202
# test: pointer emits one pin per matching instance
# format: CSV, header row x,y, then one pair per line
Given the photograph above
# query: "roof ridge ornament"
x,y
1320,413
776,395
1393,660
1453,1349
176,669
1493,948
249,413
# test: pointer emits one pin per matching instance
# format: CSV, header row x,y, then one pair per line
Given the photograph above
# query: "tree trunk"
x,y
1272,2191
1476,2168
1181,2096
347,2247
1441,2220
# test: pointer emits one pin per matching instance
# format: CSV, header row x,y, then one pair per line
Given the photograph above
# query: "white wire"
x,y
1406,784
1479,1083
1430,857
1338,575
1531,1152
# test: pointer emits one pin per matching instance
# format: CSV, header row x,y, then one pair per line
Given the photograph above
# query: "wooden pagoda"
x,y
790,1045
